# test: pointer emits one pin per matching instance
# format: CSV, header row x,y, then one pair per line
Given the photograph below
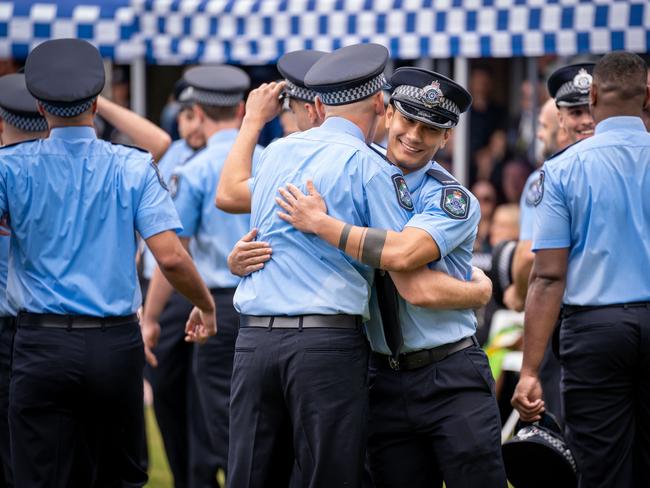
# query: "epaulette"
x,y
19,142
442,177
130,147
555,155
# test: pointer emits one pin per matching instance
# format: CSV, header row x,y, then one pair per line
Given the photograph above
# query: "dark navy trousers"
x,y
605,357
213,370
298,397
6,343
436,423
75,398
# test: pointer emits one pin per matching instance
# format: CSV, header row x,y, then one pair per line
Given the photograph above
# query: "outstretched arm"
x,y
393,251
233,192
142,132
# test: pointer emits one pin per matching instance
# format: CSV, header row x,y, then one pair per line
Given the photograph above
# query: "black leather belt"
x,y
56,321
571,309
301,321
419,359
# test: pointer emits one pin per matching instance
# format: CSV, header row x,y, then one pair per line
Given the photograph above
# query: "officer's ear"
x,y
40,109
312,114
94,106
593,95
445,137
241,111
646,100
378,99
320,107
390,113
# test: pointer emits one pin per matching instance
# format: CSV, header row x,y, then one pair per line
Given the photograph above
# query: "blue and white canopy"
x,y
259,31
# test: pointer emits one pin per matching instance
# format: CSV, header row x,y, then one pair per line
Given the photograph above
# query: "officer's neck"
x,y
86,119
211,127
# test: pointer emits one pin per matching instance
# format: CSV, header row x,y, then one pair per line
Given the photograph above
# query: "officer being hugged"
x,y
433,414
592,256
74,204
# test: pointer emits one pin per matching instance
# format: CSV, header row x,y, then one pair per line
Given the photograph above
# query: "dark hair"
x,y
219,114
621,73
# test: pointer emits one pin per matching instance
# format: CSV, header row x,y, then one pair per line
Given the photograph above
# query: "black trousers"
x,y
605,356
298,396
436,423
213,370
7,329
75,398
173,388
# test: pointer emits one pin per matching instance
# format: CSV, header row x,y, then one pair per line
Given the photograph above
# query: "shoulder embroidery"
x,y
160,178
455,202
402,192
539,191
174,184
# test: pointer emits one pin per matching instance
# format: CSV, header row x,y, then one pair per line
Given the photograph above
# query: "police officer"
x,y
424,379
262,106
592,255
298,388
19,121
217,94
77,359
172,380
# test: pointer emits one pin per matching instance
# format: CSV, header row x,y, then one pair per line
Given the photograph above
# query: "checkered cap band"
x,y
300,92
559,445
25,124
568,95
355,94
205,97
413,94
67,110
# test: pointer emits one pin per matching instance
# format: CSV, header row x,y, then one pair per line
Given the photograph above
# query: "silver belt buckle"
x,y
393,363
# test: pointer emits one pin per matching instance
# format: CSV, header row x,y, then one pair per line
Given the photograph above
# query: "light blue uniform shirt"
x,y
596,202
5,308
178,153
306,275
214,231
527,206
423,328
75,204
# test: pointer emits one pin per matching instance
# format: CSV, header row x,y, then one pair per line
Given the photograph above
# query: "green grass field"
x,y
159,474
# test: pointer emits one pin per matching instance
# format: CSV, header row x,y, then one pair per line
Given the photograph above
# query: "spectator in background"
x,y
513,179
486,134
505,224
486,195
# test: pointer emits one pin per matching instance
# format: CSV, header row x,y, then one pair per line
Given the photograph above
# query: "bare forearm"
x,y
158,295
521,267
233,193
437,290
142,132
187,281
542,311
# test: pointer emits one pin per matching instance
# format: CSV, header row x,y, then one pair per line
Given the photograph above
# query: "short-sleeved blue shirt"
x,y
595,202
214,232
527,206
454,231
75,204
5,309
306,275
177,154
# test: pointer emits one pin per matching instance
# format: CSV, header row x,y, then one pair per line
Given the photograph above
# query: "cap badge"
x,y
431,94
582,81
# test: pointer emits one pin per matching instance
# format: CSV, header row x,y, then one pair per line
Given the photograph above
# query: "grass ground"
x,y
159,474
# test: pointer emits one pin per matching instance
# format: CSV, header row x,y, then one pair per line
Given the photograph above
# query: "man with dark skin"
x,y
598,275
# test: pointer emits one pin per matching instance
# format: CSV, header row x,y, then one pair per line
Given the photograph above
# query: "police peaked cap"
x,y
538,457
349,74
221,86
65,75
429,97
17,106
569,85
294,66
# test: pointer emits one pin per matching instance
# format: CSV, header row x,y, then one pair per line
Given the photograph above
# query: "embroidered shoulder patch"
x,y
402,191
455,202
540,189
532,192
161,180
174,183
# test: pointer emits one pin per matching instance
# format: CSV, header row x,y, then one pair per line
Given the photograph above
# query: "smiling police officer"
x,y
74,204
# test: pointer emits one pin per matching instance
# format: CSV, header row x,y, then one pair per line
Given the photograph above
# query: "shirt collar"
x,y
225,135
621,122
75,132
415,179
344,125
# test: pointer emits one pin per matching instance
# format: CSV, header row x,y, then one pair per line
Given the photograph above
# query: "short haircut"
x,y
219,114
622,74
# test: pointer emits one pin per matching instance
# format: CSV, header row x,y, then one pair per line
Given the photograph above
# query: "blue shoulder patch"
x,y
402,191
455,202
161,180
539,190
